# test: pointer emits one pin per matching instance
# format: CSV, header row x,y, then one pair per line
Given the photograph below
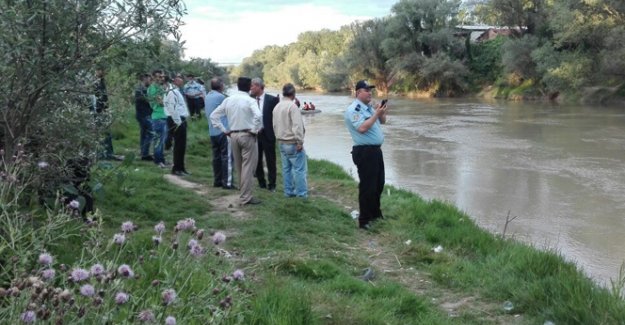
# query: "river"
x,y
558,168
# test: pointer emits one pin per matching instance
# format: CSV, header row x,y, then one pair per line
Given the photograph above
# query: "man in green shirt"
x,y
156,93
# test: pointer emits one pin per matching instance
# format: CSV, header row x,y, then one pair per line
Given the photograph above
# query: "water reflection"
x,y
558,168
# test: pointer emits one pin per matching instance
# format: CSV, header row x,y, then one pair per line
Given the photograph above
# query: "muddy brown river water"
x,y
558,168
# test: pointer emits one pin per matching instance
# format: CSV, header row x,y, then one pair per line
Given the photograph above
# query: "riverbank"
x,y
310,255
292,261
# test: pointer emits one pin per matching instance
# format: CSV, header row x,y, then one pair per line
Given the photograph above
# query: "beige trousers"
x,y
245,152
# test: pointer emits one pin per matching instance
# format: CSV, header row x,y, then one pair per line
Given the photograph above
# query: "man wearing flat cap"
x,y
244,121
363,123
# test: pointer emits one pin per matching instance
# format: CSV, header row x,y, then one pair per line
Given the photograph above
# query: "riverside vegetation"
x,y
286,261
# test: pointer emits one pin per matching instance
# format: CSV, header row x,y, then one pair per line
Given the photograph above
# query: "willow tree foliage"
x,y
49,51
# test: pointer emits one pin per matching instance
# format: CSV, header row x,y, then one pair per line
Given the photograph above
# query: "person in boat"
x,y
306,106
312,106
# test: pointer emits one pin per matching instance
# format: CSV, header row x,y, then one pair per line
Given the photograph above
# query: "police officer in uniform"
x,y
363,123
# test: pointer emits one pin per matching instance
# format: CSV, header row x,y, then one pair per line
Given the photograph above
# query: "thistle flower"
x,y
160,228
196,250
146,316
170,320
79,274
43,164
121,298
97,269
87,290
119,239
186,224
157,240
218,238
74,204
28,317
191,243
48,274
169,296
125,271
45,259
128,227
238,274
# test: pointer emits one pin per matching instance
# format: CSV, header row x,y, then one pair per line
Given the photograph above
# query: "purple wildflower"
x,y
74,204
45,259
128,227
125,271
146,316
169,296
28,317
160,228
170,320
79,274
238,274
196,250
48,274
186,224
87,290
121,298
97,269
218,238
191,243
119,239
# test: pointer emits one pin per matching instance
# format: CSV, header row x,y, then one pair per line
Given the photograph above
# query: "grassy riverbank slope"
x,y
304,259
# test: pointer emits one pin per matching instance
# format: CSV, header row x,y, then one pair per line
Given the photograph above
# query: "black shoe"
x,y
186,173
271,188
229,187
252,201
147,158
262,185
177,173
365,226
217,185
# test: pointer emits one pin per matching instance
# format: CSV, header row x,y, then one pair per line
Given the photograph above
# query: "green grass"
x,y
304,258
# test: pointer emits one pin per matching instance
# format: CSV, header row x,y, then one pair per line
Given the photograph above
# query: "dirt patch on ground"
x,y
222,204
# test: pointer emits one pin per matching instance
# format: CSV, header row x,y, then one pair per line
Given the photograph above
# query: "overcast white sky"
x,y
228,31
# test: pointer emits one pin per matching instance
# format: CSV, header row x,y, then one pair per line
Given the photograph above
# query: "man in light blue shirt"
x,y
222,155
363,123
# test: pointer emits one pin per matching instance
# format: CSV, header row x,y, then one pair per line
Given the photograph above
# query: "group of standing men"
x,y
246,125
251,119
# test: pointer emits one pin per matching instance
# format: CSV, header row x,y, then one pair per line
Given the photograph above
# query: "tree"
x,y
49,49
365,56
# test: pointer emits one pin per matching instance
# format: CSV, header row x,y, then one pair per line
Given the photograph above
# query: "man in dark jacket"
x,y
266,136
144,116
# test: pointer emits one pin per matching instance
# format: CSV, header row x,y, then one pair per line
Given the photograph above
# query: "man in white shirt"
x,y
176,108
244,121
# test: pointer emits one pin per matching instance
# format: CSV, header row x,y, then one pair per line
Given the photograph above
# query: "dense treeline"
x,y
571,47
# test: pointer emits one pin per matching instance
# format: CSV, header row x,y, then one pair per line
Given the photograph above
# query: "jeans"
x,y
145,134
159,127
222,167
294,169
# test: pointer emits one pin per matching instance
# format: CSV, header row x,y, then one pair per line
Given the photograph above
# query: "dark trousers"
x,y
221,160
268,147
196,105
370,164
180,145
171,126
145,134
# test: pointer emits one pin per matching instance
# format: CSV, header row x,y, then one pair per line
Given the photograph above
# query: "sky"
x,y
229,30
